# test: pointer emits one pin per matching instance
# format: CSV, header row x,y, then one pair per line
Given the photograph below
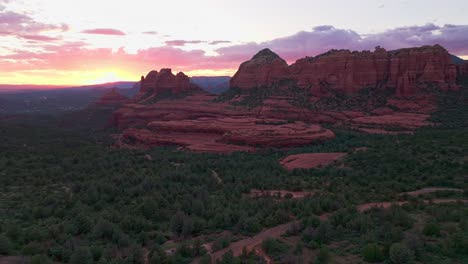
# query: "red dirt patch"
x,y
310,160
14,260
254,193
431,190
251,242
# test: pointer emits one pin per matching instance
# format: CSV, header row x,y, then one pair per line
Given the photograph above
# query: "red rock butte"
x,y
112,98
348,72
155,83
273,104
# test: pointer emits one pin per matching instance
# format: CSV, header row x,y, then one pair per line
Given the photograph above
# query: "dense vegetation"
x,y
366,99
53,101
67,196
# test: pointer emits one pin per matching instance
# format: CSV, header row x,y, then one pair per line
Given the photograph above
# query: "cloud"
x,y
104,31
49,55
323,38
216,42
150,32
179,42
16,23
39,37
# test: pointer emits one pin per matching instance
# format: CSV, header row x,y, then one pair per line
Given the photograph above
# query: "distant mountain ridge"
x,y
34,87
212,84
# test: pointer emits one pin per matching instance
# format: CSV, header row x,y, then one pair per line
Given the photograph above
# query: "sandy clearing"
x,y
310,160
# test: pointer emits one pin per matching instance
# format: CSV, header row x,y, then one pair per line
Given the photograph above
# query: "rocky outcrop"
x,y
248,119
343,71
265,68
197,123
227,134
156,83
112,98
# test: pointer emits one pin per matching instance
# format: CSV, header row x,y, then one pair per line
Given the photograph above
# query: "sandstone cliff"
x,y
405,70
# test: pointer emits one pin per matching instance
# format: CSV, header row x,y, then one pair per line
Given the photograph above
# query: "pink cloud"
x,y
104,31
39,38
16,23
77,56
323,38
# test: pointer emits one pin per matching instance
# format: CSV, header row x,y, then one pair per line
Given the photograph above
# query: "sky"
x,y
69,42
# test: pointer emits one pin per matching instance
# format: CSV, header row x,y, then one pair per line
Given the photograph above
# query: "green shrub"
x,y
81,256
372,253
432,229
400,254
274,247
40,259
323,256
5,245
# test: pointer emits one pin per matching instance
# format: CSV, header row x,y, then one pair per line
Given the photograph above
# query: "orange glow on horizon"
x,y
78,78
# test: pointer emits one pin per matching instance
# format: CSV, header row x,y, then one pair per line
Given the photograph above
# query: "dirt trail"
x,y
255,193
251,242
277,231
216,177
431,190
261,253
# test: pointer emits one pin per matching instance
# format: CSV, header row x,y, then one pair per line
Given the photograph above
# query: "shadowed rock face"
x,y
112,98
156,83
348,72
265,68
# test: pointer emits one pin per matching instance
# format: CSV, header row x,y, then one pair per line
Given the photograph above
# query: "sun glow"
x,y
105,78
69,78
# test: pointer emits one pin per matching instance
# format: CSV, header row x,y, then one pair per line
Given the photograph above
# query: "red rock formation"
x,y
226,134
157,82
344,71
264,68
112,98
198,122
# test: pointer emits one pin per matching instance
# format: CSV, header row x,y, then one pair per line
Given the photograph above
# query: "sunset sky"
x,y
70,42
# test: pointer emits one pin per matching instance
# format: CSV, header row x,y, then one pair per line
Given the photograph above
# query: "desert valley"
x,y
242,142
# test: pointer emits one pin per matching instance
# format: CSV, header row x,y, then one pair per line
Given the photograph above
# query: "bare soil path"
x,y
431,190
275,232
